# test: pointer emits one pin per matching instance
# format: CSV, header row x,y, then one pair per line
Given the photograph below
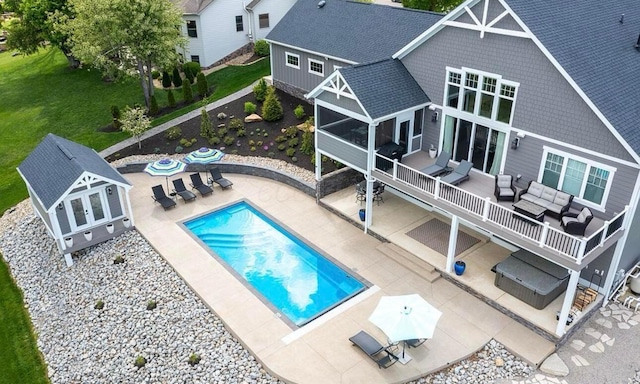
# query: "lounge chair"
x,y
440,165
414,343
374,349
159,196
196,183
216,177
460,174
181,190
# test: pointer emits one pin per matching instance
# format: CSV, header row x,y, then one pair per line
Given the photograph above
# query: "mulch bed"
x,y
241,146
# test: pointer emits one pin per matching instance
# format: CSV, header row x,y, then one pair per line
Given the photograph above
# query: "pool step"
x,y
410,261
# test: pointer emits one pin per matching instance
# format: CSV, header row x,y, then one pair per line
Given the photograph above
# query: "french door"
x,y
483,146
86,210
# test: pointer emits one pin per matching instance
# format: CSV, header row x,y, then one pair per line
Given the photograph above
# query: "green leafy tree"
x,y
191,70
432,5
171,99
125,37
135,123
260,90
177,79
271,108
203,85
206,127
166,79
187,92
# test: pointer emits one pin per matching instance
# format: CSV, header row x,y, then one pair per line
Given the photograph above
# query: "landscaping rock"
x,y
554,365
253,118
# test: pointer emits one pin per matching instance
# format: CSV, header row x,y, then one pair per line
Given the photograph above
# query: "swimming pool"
x,y
292,276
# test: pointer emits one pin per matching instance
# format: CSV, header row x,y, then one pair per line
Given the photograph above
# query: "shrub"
x,y
221,116
151,305
186,143
222,132
271,108
206,127
306,146
291,132
156,150
194,359
266,134
261,48
282,147
191,69
187,93
177,80
293,142
259,143
140,362
252,142
241,133
166,79
291,152
99,305
228,140
299,112
171,100
115,113
203,85
178,149
310,121
294,159
153,106
252,149
260,90
214,140
236,124
281,139
155,75
173,133
271,154
118,259
249,108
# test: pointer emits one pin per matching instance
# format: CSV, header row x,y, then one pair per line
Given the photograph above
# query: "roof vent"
x,y
66,151
321,3
622,19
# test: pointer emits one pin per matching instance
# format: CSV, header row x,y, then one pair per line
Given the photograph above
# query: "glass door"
x,y
481,145
78,213
403,135
87,210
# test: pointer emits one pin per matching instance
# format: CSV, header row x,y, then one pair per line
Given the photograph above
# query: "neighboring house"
x,y
542,90
81,199
217,28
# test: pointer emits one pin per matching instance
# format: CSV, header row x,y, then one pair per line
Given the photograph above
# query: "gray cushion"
x,y
504,181
549,194
555,208
528,197
541,202
582,216
506,191
562,198
535,189
568,219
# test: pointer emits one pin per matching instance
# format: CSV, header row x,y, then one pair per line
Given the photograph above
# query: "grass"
x,y
21,360
41,95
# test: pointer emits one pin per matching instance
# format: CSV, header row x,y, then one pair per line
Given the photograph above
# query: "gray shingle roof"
x,y
384,87
192,7
57,163
596,50
354,31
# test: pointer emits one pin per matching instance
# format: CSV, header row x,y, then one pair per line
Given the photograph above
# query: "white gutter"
x,y
250,21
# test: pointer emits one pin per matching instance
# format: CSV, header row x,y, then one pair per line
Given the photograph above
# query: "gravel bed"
x,y
82,344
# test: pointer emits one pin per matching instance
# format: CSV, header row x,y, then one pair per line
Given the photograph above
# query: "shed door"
x,y
87,210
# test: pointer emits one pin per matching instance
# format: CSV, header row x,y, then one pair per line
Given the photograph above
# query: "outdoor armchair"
x,y
197,184
576,223
216,177
159,196
460,174
181,190
440,165
504,189
374,349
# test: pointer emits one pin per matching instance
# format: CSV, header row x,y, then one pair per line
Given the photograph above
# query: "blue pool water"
x,y
296,279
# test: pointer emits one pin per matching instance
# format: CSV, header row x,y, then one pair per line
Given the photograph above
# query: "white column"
x,y
129,209
68,259
318,155
617,255
568,301
453,239
370,164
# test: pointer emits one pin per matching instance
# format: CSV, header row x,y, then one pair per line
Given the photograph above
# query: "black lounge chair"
x,y
159,196
181,190
196,183
414,343
374,349
460,174
440,165
216,177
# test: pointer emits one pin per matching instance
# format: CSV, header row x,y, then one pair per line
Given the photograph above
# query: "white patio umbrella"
x,y
204,155
405,317
166,168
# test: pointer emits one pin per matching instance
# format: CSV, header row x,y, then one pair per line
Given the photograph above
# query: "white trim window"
x,y
316,67
481,94
588,181
292,60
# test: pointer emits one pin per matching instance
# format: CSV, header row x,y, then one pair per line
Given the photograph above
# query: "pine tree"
x,y
206,127
153,107
177,80
260,90
166,79
187,93
271,108
171,100
203,86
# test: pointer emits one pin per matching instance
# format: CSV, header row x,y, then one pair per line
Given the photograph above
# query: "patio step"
x,y
410,261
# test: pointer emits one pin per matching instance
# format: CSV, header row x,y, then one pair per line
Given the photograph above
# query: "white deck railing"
x,y
542,234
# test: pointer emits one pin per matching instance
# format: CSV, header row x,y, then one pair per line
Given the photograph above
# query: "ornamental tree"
x,y
125,38
135,123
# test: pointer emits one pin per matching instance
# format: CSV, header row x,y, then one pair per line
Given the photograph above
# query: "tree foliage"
x,y
432,5
125,37
187,92
272,108
135,123
206,126
203,85
177,79
260,90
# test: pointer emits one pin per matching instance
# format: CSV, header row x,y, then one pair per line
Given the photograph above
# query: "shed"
x,y
81,199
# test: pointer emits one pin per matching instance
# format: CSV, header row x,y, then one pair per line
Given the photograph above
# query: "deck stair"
x,y
410,261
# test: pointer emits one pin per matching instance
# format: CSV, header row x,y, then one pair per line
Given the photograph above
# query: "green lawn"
x,y
39,94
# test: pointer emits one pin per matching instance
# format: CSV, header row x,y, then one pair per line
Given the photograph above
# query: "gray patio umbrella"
x,y
166,168
405,317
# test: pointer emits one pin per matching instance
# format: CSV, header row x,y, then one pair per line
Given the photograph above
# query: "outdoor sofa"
x,y
556,202
530,278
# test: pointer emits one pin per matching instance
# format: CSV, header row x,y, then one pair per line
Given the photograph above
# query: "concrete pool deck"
x,y
320,352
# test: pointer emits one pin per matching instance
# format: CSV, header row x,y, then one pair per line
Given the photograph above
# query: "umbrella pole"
x,y
404,345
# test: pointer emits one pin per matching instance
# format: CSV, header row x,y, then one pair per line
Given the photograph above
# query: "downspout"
x,y
250,22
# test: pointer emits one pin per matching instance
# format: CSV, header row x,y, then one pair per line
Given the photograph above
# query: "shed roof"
x,y
57,163
353,31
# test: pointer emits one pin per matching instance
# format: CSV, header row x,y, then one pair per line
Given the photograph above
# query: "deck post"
x,y
485,210
568,302
543,235
453,239
68,259
436,190
394,175
603,238
369,204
